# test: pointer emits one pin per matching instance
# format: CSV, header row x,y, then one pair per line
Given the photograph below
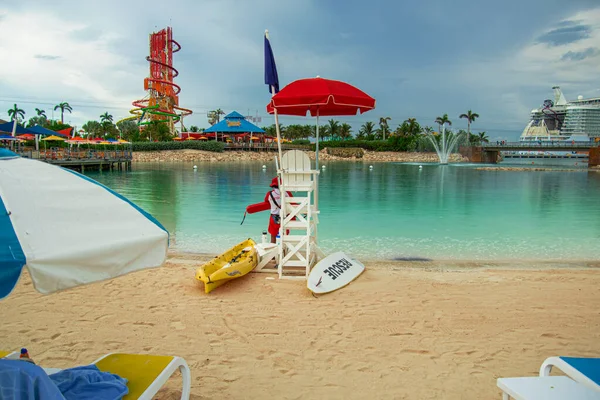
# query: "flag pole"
x,y
275,112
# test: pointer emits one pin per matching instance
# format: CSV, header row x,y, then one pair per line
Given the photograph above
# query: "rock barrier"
x,y
233,156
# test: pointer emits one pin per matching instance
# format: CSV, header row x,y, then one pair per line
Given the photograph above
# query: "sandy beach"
x,y
402,330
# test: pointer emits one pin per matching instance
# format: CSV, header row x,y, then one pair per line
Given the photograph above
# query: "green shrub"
x,y
346,152
371,145
210,145
301,141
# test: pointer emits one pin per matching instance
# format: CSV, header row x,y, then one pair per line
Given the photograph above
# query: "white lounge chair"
x,y
581,369
145,373
582,381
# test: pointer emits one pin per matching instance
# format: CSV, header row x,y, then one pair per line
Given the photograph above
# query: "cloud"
x,y
566,34
84,70
580,55
46,57
450,64
517,80
102,63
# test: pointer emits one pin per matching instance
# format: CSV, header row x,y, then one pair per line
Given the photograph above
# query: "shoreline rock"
x,y
188,155
555,169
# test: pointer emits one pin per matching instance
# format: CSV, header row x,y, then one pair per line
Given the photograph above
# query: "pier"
x,y
490,153
83,160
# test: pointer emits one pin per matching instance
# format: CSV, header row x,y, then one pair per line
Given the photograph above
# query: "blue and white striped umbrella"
x,y
69,230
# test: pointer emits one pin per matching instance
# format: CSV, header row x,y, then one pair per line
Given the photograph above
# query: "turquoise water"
x,y
453,212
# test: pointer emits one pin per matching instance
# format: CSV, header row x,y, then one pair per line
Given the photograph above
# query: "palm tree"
x,y
270,130
412,126
442,121
383,125
64,106
193,128
345,131
333,128
41,113
106,118
15,114
366,130
470,116
214,116
482,137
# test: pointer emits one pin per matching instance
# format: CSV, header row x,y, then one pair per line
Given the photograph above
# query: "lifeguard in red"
x,y
273,197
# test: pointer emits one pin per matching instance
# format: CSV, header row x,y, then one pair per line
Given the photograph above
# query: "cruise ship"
x,y
562,120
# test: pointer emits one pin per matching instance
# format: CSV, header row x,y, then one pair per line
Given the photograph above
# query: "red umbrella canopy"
x,y
328,96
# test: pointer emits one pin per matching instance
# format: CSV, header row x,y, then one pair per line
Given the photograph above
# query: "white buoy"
x,y
370,167
420,167
323,167
195,167
264,167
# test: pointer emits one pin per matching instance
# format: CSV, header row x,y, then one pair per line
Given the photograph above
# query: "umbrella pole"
x,y
278,136
277,127
317,152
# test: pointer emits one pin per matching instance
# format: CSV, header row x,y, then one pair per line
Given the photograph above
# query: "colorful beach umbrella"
x,y
27,136
99,236
53,137
6,136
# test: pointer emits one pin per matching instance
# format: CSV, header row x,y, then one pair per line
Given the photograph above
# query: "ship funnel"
x,y
559,97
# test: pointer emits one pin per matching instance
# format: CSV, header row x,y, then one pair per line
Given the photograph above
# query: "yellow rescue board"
x,y
235,262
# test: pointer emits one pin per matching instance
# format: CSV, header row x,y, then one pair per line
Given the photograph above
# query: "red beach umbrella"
x,y
320,97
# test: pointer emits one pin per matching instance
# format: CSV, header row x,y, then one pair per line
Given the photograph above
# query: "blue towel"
x,y
20,380
88,382
590,367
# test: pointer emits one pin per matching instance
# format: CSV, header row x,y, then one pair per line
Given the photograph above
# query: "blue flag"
x,y
271,77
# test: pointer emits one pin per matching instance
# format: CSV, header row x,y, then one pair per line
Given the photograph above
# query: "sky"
x,y
418,59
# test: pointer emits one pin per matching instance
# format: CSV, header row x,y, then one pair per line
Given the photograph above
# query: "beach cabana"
x,y
233,123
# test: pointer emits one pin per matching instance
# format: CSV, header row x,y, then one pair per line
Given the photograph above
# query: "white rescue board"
x,y
333,272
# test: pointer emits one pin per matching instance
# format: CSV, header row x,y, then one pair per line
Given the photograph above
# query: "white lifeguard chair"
x,y
298,250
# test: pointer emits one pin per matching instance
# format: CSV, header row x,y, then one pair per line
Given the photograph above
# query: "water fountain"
x,y
446,144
